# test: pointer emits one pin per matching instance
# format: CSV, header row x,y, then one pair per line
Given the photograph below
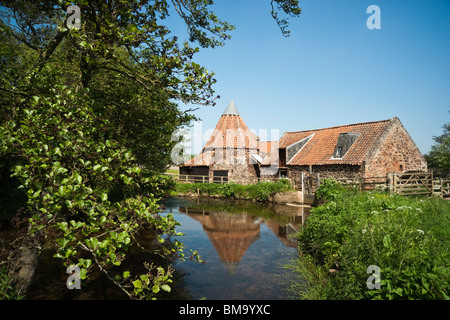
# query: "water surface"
x,y
244,246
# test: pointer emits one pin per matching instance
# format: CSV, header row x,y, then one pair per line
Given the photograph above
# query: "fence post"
x,y
303,185
432,184
389,180
394,182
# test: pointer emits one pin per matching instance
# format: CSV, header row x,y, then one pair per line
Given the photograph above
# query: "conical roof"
x,y
231,235
231,132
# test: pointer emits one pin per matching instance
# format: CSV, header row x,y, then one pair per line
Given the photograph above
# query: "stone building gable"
x,y
395,151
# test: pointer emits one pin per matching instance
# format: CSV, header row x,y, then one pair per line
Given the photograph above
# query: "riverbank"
x,y
373,245
274,192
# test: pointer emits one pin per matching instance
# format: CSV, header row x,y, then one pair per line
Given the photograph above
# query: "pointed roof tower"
x,y
230,133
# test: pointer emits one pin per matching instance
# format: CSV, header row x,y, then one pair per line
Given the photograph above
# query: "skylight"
x,y
295,148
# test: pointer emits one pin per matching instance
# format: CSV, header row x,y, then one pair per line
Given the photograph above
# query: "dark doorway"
x,y
201,174
220,176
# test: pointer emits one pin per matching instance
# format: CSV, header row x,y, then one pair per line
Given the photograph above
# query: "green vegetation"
x,y
7,291
87,116
407,238
439,156
257,192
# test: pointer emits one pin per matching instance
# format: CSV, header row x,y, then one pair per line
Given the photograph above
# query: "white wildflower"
x,y
420,231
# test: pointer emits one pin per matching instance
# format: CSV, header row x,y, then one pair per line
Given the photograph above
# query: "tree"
x,y
86,119
439,157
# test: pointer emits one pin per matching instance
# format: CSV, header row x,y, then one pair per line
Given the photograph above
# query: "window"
x,y
282,173
344,143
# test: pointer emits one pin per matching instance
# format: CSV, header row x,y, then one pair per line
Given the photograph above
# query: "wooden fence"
x,y
412,183
417,183
219,179
441,187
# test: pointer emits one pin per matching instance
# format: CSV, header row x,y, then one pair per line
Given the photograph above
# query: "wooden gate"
x,y
413,183
310,183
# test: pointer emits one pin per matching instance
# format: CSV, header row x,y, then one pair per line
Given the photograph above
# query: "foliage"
x,y
87,115
439,157
84,188
125,53
257,192
408,238
7,291
329,190
290,8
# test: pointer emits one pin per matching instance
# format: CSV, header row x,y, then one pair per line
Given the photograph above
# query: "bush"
x,y
408,238
257,192
7,291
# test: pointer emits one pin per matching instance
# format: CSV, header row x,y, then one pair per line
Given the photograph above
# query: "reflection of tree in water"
x,y
50,278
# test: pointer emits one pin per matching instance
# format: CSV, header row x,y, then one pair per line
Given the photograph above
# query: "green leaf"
x,y
62,242
144,277
166,288
62,190
83,273
137,284
386,241
104,197
126,274
155,288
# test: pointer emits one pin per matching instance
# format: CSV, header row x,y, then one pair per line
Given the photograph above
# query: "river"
x,y
244,246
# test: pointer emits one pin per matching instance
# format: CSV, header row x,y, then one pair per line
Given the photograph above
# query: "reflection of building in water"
x,y
232,234
286,231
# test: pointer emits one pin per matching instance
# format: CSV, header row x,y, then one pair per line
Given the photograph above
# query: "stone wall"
x,y
336,171
394,152
241,171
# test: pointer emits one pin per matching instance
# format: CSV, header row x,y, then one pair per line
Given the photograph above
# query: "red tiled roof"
x,y
203,159
320,148
231,132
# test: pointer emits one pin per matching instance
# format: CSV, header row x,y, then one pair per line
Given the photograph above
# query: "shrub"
x,y
257,192
7,291
408,238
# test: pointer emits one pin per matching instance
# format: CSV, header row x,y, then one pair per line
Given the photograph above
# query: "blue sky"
x,y
333,70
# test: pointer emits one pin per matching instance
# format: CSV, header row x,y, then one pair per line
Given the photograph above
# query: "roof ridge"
x,y
344,125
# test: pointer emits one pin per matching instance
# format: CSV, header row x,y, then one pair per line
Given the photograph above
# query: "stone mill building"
x,y
232,152
369,149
